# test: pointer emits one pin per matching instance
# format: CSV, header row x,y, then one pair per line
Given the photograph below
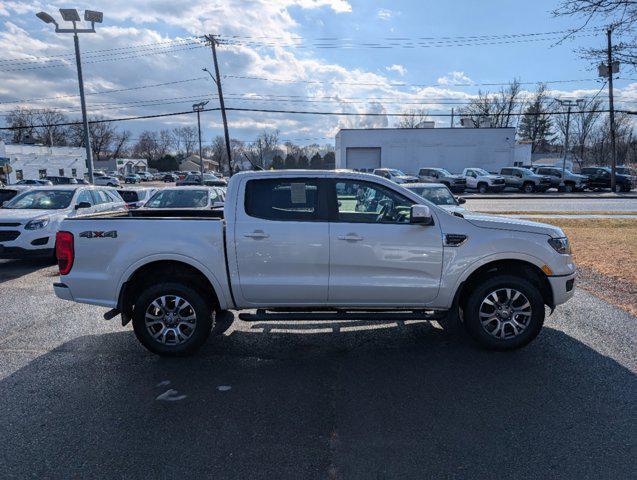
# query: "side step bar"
x,y
383,316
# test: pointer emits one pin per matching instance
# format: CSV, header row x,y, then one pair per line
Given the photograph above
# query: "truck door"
x,y
377,257
282,242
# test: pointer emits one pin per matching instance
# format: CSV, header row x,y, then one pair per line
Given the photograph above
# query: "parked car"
x,y
482,180
8,192
525,180
34,182
104,180
81,181
145,176
136,197
133,178
456,183
57,180
30,220
438,194
170,177
394,175
600,177
289,245
569,182
195,179
186,198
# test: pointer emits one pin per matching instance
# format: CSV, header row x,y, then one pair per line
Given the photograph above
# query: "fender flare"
x,y
214,281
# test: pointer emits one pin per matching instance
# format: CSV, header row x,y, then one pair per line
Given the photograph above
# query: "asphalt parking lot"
x,y
80,397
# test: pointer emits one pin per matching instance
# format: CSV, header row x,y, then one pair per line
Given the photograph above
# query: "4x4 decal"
x,y
109,234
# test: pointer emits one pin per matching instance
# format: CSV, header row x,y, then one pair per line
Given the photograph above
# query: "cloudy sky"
x,y
311,55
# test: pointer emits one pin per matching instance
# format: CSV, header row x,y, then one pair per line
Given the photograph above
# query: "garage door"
x,y
362,158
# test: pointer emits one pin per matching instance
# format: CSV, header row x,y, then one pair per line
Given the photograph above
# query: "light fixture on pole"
x,y
198,107
72,15
568,103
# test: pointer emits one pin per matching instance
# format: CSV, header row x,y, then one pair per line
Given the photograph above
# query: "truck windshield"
x,y
396,172
480,171
436,195
444,172
42,200
179,199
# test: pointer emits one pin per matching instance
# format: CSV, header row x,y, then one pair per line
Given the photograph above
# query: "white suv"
x,y
106,181
30,220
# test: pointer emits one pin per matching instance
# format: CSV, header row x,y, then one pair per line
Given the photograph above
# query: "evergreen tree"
x,y
303,162
316,162
277,162
290,161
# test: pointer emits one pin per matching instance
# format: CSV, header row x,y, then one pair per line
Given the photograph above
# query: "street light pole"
x,y
71,15
87,137
569,104
198,107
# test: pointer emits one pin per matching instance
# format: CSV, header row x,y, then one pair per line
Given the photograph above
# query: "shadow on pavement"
x,y
12,269
409,402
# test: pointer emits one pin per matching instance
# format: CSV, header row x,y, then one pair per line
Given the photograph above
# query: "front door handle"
x,y
257,235
350,237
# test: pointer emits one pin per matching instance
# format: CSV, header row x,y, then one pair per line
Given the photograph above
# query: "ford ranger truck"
x,y
308,245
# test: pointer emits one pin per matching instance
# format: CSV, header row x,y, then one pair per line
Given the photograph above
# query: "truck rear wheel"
x,y
172,319
504,312
528,187
483,187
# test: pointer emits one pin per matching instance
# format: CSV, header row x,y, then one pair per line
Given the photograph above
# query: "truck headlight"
x,y
560,245
37,223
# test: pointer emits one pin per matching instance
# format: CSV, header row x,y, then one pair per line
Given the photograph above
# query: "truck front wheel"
x,y
483,187
172,319
504,312
528,187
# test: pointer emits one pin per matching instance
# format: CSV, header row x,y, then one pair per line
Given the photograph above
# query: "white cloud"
x,y
400,69
454,77
385,13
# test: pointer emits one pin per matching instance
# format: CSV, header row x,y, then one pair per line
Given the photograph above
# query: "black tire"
x,y
471,312
110,185
528,187
483,188
568,188
223,321
203,310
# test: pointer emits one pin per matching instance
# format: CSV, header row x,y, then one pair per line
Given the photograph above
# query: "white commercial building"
x,y
409,149
38,161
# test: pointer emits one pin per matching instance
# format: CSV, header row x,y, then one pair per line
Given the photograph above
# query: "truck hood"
x,y
23,215
492,177
483,220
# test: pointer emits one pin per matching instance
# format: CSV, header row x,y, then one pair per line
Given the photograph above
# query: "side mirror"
x,y
83,205
461,200
420,214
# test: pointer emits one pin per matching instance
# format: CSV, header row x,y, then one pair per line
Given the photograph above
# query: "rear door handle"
x,y
257,235
350,237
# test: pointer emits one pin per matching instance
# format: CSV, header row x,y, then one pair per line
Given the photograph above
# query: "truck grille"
x,y
459,181
9,224
8,235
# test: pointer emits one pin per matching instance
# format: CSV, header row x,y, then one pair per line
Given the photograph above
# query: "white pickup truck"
x,y
314,245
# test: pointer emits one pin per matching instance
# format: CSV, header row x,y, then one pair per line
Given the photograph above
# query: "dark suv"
x,y
61,180
599,177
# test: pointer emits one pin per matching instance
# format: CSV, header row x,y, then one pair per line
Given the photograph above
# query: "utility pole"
x,y
569,104
217,80
611,114
452,117
198,107
72,15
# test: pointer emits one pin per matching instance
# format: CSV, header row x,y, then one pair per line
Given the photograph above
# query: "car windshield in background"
x,y
436,195
129,196
42,200
179,199
396,172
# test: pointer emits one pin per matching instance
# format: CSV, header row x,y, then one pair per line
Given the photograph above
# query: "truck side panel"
x,y
109,251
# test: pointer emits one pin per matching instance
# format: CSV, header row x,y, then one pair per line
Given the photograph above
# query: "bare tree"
x,y
413,118
39,124
120,144
185,140
147,146
536,125
218,149
621,14
583,125
165,142
264,148
498,107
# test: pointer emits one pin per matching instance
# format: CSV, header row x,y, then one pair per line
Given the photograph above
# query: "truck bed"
x,y
159,213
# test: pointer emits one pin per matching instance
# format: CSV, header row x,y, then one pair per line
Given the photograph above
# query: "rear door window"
x,y
291,199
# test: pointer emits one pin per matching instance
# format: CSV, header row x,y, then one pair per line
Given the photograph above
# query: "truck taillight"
x,y
64,251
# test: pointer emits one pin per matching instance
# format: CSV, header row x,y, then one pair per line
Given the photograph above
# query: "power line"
x,y
295,112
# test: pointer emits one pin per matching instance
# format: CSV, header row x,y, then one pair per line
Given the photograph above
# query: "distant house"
x,y
30,161
123,166
193,164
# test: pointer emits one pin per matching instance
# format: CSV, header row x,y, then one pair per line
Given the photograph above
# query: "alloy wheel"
x,y
170,320
505,313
